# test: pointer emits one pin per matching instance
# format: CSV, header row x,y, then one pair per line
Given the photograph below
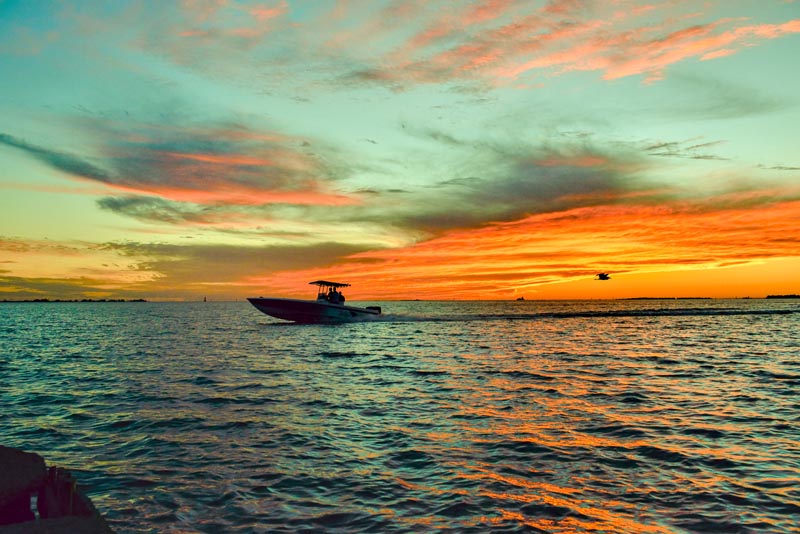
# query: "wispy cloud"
x,y
147,208
68,163
492,181
690,149
486,42
200,165
618,40
220,177
780,167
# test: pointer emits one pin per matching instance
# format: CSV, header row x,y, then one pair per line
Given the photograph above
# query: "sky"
x,y
484,149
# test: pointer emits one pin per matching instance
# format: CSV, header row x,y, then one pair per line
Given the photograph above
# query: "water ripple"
x,y
566,417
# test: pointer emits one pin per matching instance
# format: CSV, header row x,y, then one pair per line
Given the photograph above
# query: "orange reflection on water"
x,y
519,482
591,518
537,434
596,519
509,516
432,489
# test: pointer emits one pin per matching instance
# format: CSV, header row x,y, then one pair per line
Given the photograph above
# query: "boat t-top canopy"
x,y
325,283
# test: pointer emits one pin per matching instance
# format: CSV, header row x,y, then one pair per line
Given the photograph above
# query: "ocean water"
x,y
604,416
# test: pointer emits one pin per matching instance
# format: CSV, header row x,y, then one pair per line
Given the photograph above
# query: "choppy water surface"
x,y
635,416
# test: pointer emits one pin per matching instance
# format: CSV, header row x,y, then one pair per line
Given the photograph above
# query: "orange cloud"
x,y
580,161
498,40
202,10
222,24
717,54
486,11
228,159
492,42
241,168
244,196
264,12
499,259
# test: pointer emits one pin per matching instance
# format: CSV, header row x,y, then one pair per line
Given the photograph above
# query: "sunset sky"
x,y
416,149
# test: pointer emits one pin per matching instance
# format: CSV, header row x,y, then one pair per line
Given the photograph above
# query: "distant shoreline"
x,y
71,301
668,298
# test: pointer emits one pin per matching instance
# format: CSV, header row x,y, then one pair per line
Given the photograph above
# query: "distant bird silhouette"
x,y
602,276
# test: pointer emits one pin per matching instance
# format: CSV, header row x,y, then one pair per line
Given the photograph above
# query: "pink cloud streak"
x,y
243,196
500,40
229,159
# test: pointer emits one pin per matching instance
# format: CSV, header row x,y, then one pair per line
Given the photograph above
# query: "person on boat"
x,y
334,296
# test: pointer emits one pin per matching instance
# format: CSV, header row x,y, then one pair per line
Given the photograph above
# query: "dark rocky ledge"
x,y
61,506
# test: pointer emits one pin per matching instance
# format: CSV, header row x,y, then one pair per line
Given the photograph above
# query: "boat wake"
x,y
599,314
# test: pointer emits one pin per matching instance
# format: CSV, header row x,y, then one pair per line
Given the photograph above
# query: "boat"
x,y
329,307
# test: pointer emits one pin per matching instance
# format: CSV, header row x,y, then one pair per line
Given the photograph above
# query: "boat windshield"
x,y
329,291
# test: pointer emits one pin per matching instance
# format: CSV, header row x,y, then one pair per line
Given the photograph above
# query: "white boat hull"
x,y
312,311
